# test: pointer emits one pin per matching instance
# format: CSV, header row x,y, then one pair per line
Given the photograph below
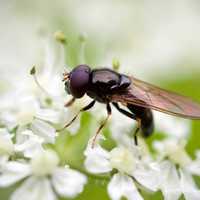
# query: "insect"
x,y
140,98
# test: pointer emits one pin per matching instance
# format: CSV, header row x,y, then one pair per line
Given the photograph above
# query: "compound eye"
x,y
79,80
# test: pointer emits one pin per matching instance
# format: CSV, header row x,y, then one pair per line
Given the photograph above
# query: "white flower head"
x,y
176,169
175,182
174,150
44,178
22,112
127,161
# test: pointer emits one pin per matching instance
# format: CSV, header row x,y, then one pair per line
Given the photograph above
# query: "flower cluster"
x,y
30,112
31,155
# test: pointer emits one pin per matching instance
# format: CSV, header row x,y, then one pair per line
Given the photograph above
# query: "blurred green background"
x,y
157,41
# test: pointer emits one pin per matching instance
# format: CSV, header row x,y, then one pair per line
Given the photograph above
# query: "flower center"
x,y
122,159
44,163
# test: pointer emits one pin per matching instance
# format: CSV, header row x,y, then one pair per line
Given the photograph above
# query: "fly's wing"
x,y
149,96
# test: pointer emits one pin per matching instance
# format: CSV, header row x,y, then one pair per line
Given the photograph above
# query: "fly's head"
x,y
77,81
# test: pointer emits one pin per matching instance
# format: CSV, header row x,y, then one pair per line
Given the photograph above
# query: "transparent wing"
x,y
147,95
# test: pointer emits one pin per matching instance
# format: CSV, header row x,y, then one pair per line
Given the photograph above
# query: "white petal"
x,y
123,186
3,161
48,115
190,190
97,159
170,183
13,172
44,130
194,167
68,182
8,118
26,107
148,176
28,143
6,144
34,188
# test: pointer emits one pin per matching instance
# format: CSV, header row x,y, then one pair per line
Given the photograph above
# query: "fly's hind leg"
x,y
137,130
109,112
132,116
124,112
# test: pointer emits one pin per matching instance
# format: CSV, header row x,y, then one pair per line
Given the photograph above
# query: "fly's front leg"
x,y
82,110
109,112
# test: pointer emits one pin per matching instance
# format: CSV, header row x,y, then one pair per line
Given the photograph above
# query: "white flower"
x,y
176,169
28,143
188,186
122,185
25,109
176,182
27,112
42,100
174,151
45,179
131,167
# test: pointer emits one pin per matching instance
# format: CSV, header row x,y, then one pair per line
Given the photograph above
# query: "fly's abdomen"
x,y
147,123
146,117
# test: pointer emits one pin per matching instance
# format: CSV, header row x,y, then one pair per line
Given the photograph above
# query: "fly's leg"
x,y
128,114
136,131
109,112
132,116
70,102
90,105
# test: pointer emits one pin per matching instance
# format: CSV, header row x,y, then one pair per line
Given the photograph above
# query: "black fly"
x,y
109,87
